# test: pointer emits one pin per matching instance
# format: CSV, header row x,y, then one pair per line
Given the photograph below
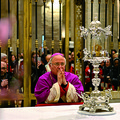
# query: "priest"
x,y
58,86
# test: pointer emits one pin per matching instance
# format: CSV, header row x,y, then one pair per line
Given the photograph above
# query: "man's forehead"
x,y
57,57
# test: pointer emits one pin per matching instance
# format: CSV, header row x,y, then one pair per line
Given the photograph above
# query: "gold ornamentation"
x,y
78,44
78,2
18,43
44,44
36,43
52,1
8,43
92,1
106,1
97,49
52,44
60,44
99,1
113,1
60,1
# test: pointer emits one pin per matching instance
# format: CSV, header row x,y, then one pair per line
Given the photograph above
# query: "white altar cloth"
x,y
62,112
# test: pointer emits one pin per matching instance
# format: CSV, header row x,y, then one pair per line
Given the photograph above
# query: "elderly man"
x,y
58,85
4,80
4,57
6,84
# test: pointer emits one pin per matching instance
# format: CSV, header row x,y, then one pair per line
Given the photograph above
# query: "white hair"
x,y
50,61
3,55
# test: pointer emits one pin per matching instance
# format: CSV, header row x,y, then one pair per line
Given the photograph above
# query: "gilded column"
x,y
78,41
27,50
52,1
67,3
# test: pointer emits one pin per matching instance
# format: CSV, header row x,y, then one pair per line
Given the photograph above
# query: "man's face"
x,y
34,58
3,68
4,59
107,63
48,58
116,63
102,63
13,58
58,62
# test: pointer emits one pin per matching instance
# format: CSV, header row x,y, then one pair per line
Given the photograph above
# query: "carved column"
x,y
78,41
67,34
27,51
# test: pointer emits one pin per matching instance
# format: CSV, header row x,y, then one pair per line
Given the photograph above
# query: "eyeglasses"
x,y
58,64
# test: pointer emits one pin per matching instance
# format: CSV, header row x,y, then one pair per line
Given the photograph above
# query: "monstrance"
x,y
96,102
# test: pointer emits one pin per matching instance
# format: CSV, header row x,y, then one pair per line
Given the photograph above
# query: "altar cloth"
x,y
61,112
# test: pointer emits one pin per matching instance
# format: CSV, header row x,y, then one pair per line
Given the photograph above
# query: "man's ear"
x,y
50,65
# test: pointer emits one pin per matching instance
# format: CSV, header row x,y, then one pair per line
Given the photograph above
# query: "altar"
x,y
54,112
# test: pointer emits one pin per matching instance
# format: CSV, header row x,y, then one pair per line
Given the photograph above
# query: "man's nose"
x,y
60,66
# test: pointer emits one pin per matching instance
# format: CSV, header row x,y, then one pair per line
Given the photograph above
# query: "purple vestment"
x,y
44,83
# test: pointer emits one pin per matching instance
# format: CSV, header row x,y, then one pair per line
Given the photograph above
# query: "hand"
x,y
4,82
64,82
61,77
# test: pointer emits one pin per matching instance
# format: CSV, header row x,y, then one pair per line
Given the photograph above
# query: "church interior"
x,y
28,26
